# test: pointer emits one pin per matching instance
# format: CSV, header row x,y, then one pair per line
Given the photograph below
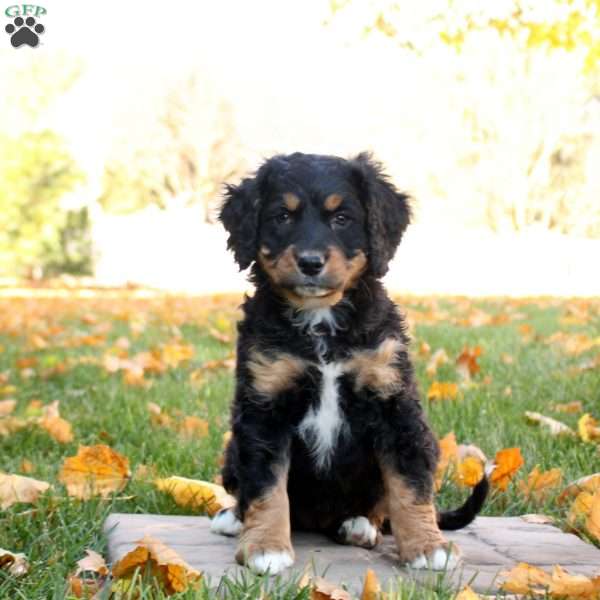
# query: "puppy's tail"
x,y
461,517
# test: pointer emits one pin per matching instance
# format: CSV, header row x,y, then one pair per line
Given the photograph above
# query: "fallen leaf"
x,y
16,488
324,590
507,462
448,454
589,428
175,353
7,406
14,563
552,425
568,407
196,493
540,483
371,588
167,567
469,472
424,349
9,425
92,562
565,585
438,358
467,594
442,391
193,427
95,470
507,359
538,519
58,428
466,364
26,466
581,507
224,338
592,523
525,579
589,483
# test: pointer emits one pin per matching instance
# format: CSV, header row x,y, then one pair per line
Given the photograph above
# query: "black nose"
x,y
310,264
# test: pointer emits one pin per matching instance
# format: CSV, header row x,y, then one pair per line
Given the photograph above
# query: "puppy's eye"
x,y
283,217
340,220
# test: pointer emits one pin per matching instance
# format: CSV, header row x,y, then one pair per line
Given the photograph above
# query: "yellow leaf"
x,y
469,472
16,564
508,462
592,523
438,358
442,391
448,454
565,585
467,594
590,483
7,406
553,426
581,507
371,588
196,493
173,354
16,488
539,483
95,470
525,579
58,428
588,427
168,568
9,425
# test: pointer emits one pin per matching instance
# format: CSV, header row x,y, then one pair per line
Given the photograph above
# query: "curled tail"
x,y
462,516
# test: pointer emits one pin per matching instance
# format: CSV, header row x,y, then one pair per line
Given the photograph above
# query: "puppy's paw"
x,y
225,522
269,561
358,531
442,558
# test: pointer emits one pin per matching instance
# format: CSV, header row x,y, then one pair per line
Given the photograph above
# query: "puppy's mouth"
x,y
313,291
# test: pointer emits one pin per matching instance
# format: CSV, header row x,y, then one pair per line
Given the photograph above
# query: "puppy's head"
x,y
315,224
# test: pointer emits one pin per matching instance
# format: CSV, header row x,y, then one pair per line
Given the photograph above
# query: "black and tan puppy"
x,y
328,431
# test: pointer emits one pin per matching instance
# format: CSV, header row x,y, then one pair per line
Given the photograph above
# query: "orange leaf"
x,y
323,590
448,454
592,523
466,363
508,462
193,427
7,406
525,579
442,391
539,483
581,507
568,407
371,588
467,594
95,470
590,483
565,585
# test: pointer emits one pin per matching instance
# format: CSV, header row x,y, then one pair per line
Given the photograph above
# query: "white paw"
x,y
272,562
441,559
358,531
226,523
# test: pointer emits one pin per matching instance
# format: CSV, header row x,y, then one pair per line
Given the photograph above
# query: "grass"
x,y
103,409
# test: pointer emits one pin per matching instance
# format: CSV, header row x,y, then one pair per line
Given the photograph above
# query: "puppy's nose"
x,y
310,264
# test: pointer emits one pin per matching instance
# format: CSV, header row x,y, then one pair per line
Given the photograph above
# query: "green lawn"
x,y
104,409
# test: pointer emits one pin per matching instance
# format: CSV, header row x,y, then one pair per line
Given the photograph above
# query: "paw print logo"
x,y
24,32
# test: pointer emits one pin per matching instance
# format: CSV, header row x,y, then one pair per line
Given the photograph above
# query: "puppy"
x,y
328,431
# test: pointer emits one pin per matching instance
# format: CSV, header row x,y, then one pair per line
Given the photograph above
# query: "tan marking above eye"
x,y
332,202
291,201
264,250
375,369
273,375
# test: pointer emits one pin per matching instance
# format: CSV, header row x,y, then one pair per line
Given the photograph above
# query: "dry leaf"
x,y
467,594
58,428
581,507
540,483
16,488
466,363
438,358
552,425
442,391
525,579
176,353
589,483
26,466
568,407
371,588
196,493
92,562
448,454
323,590
169,569
538,519
193,427
589,428
95,470
9,425
592,523
7,406
507,463
469,472
507,359
14,563
565,585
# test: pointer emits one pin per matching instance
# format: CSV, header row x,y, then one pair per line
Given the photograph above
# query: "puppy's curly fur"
x,y
328,430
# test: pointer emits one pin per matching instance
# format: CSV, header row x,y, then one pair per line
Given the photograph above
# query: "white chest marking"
x,y
321,428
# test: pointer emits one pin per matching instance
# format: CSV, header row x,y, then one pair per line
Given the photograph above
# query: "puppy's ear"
x,y
387,210
239,215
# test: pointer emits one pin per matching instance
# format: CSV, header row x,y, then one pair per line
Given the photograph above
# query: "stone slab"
x,y
489,545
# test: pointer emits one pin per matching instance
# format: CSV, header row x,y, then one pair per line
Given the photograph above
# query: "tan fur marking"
x,y
375,369
332,202
274,375
414,524
291,201
267,522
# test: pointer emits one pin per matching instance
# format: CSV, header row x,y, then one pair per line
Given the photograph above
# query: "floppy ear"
x,y
239,215
387,210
